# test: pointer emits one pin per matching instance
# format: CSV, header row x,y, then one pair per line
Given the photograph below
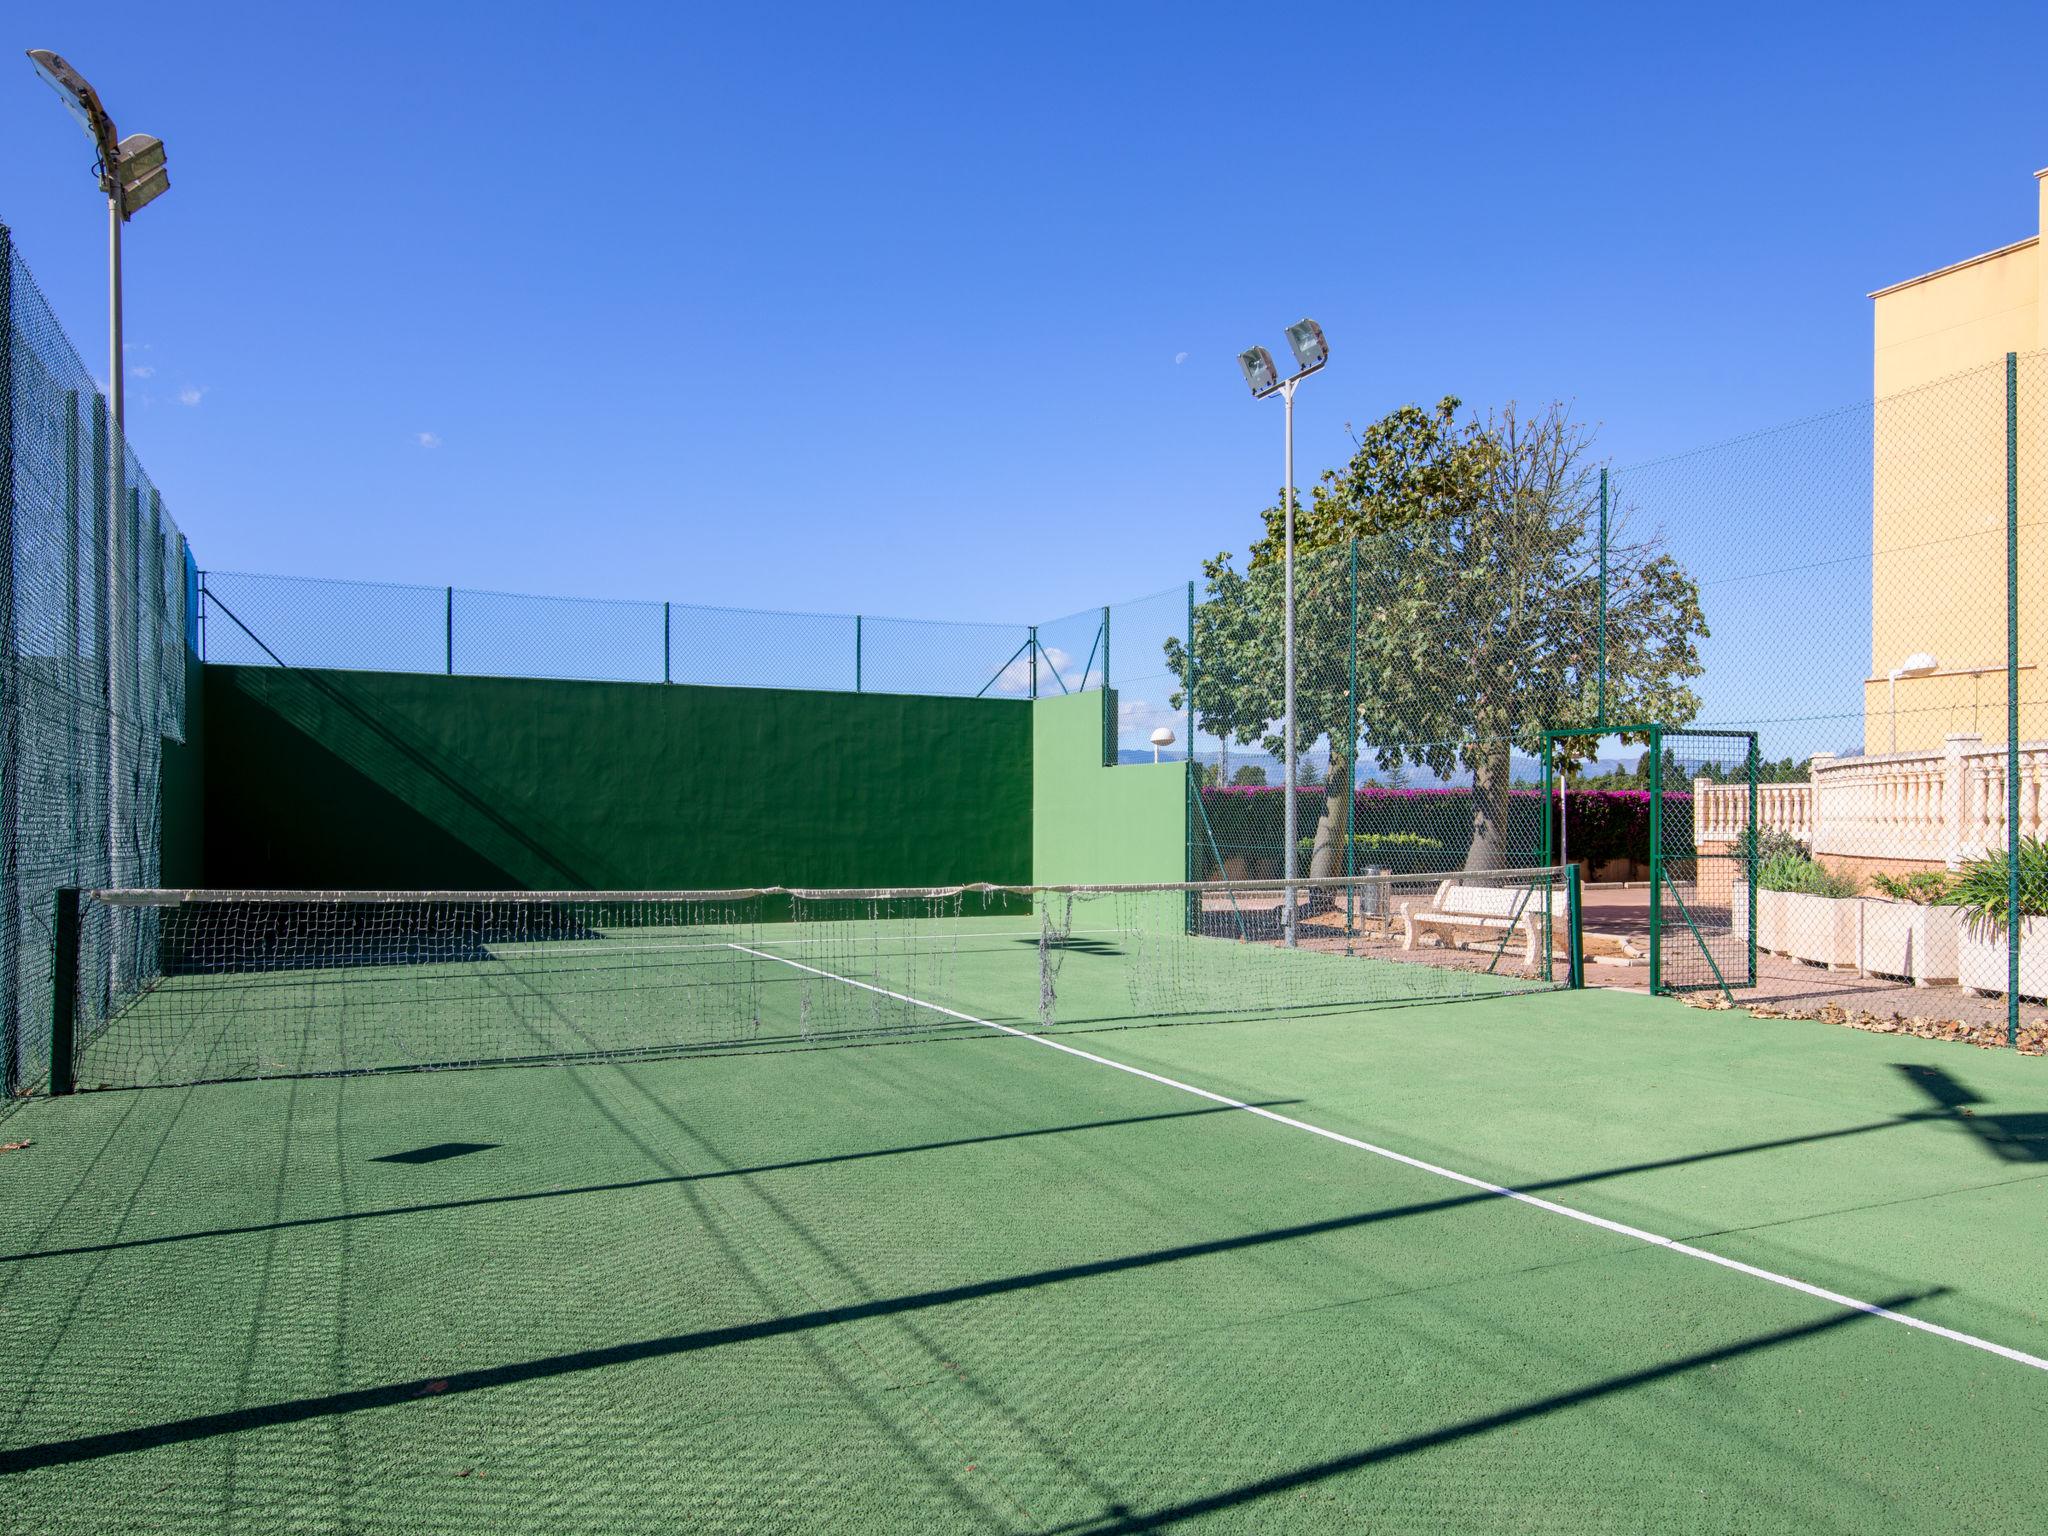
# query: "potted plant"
x,y
1907,931
1770,900
1981,893
1813,910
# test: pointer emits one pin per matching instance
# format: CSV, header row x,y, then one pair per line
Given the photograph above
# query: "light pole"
x,y
132,173
1305,340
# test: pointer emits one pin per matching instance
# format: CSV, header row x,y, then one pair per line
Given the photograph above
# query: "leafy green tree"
x,y
1249,775
1477,621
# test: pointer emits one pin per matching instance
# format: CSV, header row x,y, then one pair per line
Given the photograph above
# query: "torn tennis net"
x,y
248,984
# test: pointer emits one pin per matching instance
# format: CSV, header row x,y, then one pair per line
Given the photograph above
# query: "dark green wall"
x,y
183,787
409,781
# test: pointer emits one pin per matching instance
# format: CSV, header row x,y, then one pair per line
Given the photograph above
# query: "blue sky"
x,y
933,311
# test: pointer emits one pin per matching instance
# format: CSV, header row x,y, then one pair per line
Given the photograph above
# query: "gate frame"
x,y
1654,736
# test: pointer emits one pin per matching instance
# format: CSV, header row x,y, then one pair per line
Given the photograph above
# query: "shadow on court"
x,y
2011,1138
1116,1522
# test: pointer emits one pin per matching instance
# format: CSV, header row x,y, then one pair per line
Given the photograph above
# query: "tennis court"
x,y
1407,1248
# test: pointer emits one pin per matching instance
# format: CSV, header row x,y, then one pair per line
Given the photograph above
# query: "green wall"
x,y
411,781
1092,825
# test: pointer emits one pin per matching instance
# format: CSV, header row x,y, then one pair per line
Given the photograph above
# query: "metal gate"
x,y
1703,852
1703,855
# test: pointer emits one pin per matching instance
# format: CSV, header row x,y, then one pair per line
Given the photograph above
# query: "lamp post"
x,y
1311,351
1161,738
131,173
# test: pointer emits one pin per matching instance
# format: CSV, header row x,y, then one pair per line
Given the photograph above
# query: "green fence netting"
x,y
92,675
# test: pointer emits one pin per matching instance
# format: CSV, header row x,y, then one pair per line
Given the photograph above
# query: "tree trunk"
x,y
1326,858
1492,779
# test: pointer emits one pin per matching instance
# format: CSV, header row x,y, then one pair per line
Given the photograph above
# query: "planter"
x,y
1904,939
1981,959
1821,929
1770,921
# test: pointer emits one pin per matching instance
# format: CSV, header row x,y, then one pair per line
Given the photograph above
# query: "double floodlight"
x,y
132,170
1311,351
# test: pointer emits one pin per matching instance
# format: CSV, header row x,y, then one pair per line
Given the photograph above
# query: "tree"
x,y
1249,775
1477,599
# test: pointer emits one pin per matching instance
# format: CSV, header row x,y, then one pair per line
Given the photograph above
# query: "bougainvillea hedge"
x,y
1605,824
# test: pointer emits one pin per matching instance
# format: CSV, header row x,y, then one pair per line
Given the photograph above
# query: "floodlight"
x,y
80,99
1305,337
140,172
1260,371
1305,340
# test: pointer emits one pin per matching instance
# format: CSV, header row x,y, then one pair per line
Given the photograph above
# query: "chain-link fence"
x,y
92,676
296,621
1781,700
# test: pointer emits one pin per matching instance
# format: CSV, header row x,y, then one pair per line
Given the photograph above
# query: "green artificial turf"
x,y
972,1283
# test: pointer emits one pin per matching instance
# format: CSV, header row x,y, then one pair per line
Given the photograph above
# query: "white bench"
x,y
1490,909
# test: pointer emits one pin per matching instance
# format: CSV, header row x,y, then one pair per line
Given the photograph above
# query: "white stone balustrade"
x,y
1930,808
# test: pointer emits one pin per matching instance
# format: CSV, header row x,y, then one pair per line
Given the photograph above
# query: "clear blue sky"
x,y
932,311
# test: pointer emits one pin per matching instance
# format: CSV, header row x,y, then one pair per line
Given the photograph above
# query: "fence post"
x,y
1656,744
1600,708
2012,698
1194,782
1574,922
448,646
13,749
1033,645
1108,702
64,993
1351,789
665,645
857,649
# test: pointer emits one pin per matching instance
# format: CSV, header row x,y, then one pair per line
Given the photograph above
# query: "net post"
x,y
448,631
1032,642
64,993
2013,923
666,644
856,653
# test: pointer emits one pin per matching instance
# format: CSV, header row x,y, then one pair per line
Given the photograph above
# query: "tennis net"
x,y
229,985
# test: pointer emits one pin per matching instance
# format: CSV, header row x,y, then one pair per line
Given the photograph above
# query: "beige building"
x,y
1939,498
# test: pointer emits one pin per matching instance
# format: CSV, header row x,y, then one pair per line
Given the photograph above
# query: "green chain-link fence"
x,y
1853,591
92,676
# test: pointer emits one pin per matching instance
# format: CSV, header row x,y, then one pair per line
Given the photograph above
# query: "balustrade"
x,y
1918,807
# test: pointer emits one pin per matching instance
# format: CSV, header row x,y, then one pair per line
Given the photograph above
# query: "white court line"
x,y
1672,1244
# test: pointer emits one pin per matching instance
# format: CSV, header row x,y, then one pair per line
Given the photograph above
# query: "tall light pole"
x,y
1311,351
132,173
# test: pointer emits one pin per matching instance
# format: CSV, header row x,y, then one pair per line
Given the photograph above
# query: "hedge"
x,y
1605,824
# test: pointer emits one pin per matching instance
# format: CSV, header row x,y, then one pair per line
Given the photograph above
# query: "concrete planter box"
x,y
1904,939
1821,929
1770,921
1982,958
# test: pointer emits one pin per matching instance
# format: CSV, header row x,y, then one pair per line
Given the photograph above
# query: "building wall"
x,y
1938,580
416,781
